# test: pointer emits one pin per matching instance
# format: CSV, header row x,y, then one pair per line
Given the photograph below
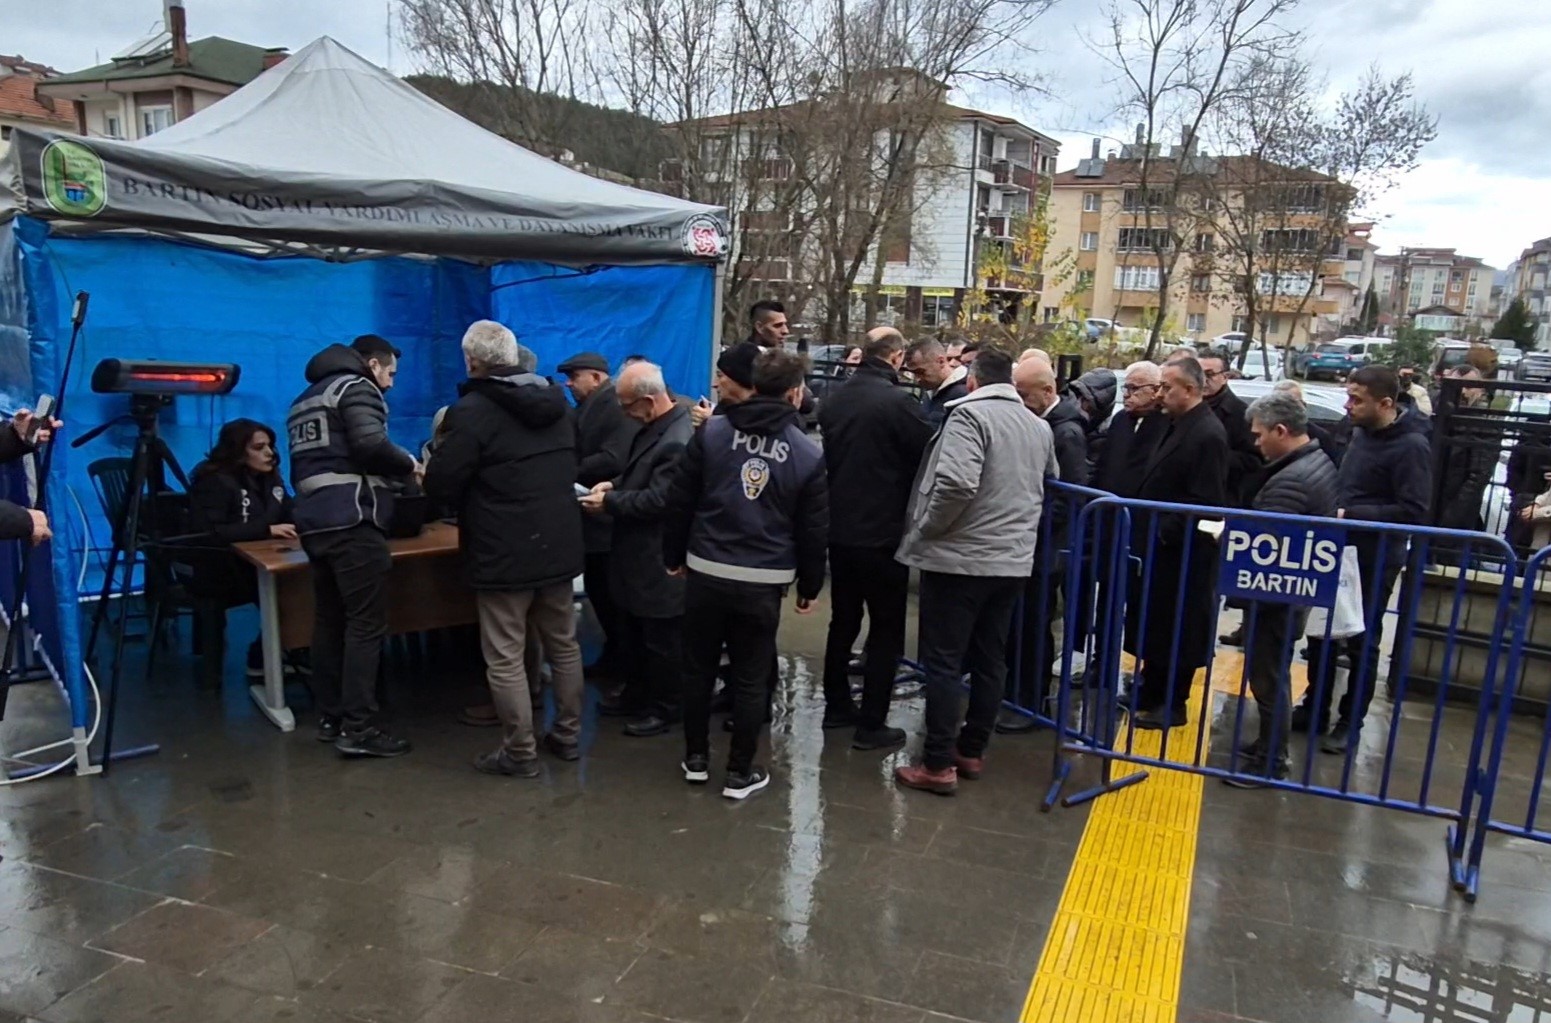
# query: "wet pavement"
x,y
245,875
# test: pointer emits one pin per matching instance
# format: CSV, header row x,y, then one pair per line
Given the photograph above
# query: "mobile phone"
x,y
581,491
41,413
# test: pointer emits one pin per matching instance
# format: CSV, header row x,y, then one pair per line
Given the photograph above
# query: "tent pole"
x,y
716,317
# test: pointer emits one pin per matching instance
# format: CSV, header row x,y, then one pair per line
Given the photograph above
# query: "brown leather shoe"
x,y
918,776
968,767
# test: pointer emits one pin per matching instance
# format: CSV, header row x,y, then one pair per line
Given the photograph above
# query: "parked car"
x,y
1231,341
1337,359
1257,365
1508,360
1535,366
1327,405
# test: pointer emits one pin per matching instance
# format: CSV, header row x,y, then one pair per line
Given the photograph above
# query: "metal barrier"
x,y
1158,579
1490,816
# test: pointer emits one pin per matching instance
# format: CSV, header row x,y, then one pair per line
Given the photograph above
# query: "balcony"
x,y
999,225
984,163
774,169
1005,172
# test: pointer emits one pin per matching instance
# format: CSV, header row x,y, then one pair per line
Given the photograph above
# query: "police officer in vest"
x,y
747,516
343,468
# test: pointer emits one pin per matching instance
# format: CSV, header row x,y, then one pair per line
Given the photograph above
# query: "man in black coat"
x,y
651,602
1035,655
1243,457
1096,391
874,436
1134,433
1298,479
927,363
603,436
1189,467
747,517
505,464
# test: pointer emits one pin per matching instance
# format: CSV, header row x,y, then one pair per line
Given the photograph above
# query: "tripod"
x,y
149,464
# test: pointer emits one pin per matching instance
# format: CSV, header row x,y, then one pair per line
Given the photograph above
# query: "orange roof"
x,y
19,98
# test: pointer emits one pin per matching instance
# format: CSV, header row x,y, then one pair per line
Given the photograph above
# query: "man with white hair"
x,y
1134,433
505,464
651,602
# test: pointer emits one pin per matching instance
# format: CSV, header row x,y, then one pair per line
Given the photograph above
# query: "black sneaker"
x,y
1234,638
503,764
1341,738
373,742
648,726
329,729
742,786
1161,719
878,738
560,750
1303,719
697,770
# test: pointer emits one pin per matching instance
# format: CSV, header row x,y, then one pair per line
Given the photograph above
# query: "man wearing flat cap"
x,y
603,436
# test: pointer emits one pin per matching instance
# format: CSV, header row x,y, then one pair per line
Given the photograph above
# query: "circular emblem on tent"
x,y
704,237
74,181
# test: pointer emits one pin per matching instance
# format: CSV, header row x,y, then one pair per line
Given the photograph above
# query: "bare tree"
x,y
1284,204
521,54
1175,62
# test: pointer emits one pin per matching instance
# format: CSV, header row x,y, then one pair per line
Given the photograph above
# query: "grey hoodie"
x,y
976,502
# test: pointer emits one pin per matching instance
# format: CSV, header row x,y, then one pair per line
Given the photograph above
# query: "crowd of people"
x,y
692,523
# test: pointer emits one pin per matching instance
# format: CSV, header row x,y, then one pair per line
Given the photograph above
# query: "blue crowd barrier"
x,y
1490,815
1157,582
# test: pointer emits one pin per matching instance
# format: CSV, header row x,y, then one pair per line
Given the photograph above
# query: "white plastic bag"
x,y
1346,618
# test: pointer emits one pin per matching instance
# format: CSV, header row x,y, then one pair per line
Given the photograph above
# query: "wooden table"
x,y
425,592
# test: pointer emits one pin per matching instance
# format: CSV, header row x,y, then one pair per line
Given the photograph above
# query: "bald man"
x,y
1035,380
874,436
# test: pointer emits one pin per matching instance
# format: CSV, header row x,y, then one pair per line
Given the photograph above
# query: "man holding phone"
x,y
27,432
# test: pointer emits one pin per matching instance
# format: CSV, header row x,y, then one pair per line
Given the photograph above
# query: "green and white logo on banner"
x,y
74,181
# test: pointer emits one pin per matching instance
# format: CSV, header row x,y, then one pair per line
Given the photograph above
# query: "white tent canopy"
x,y
328,149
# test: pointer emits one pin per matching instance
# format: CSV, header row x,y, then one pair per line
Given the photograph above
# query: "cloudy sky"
x,y
1481,67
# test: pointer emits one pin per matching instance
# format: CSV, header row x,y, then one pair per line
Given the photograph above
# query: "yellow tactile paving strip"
x,y
1116,947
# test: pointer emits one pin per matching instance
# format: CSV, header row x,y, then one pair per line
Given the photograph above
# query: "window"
x,y
1090,202
1303,199
1136,278
1047,165
1354,255
1273,325
1085,280
1201,282
1438,289
5,132
1290,240
937,310
1205,242
1136,199
154,119
1456,279
1296,284
1052,313
1353,276
1090,241
1195,323
1239,323
1145,239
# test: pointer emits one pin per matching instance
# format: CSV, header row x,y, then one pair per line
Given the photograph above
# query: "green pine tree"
x,y
1369,316
1516,325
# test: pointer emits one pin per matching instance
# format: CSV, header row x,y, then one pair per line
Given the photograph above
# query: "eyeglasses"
x,y
1139,388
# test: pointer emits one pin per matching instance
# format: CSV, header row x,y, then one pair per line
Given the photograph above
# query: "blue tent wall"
x,y
663,312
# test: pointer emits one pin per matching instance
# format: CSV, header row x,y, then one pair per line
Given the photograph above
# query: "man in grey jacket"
x,y
1298,479
971,530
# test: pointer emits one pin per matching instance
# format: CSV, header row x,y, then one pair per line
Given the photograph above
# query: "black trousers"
x,y
1362,650
865,579
595,577
651,650
743,617
964,620
349,584
1269,633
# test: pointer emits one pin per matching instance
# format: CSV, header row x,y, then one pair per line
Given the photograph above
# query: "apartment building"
x,y
1361,257
157,81
1434,289
988,173
1529,283
21,106
1108,231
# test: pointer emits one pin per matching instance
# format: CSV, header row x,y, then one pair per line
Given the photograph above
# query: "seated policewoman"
x,y
237,495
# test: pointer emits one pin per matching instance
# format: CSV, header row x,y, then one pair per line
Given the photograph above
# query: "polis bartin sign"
x,y
1281,562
